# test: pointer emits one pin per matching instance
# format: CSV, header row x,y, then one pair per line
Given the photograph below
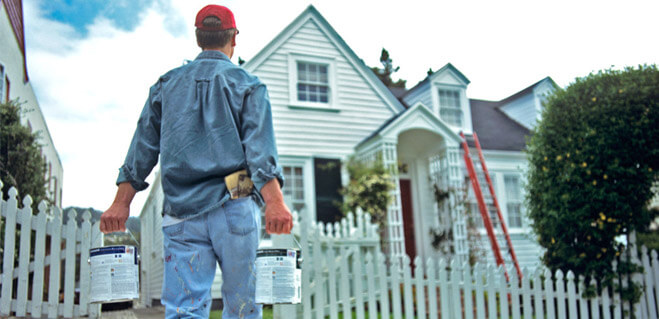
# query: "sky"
x,y
91,62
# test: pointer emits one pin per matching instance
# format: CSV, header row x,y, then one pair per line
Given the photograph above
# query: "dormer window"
x,y
312,82
450,110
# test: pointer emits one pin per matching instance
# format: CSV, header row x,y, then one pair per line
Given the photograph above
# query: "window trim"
x,y
293,59
507,201
464,104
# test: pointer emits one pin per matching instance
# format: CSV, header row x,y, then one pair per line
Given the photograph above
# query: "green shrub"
x,y
593,159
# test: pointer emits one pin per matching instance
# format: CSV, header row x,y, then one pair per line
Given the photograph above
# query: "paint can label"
x,y
278,279
114,274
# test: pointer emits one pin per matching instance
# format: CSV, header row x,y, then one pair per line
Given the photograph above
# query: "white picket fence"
x,y
344,272
50,279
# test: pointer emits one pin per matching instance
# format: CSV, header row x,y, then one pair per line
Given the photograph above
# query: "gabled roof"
x,y
403,121
526,91
435,74
311,13
496,131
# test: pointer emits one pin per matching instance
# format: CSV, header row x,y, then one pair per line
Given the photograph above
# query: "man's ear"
x,y
233,39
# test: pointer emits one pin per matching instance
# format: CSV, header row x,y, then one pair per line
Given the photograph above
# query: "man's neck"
x,y
226,51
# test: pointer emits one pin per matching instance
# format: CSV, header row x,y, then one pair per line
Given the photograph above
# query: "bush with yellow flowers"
x,y
593,159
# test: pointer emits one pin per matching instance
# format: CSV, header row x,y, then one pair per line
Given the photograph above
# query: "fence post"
x,y
85,273
24,256
39,256
283,311
11,207
55,226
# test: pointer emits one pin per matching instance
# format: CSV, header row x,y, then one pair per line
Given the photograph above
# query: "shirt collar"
x,y
212,54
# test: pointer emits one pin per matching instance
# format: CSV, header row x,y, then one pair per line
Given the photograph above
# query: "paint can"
x,y
114,274
278,276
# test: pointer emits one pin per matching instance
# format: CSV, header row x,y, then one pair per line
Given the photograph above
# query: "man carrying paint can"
x,y
211,124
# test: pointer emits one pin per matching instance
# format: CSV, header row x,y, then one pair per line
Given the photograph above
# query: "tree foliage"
x,y
593,159
21,163
369,188
388,69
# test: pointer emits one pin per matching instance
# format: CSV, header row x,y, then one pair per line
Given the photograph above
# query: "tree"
x,y
21,163
593,159
385,73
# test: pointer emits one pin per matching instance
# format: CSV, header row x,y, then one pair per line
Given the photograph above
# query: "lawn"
x,y
267,313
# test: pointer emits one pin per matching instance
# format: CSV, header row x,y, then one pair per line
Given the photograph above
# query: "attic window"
x,y
312,82
450,109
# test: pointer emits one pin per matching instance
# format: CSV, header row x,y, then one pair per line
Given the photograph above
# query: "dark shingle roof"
x,y
496,131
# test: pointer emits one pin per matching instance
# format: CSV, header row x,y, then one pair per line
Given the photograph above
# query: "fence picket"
x,y
97,241
384,287
503,293
617,304
571,295
480,301
8,258
319,297
467,295
432,289
526,293
444,292
345,285
39,256
420,288
514,294
70,264
639,308
537,293
560,294
370,283
55,227
491,293
395,289
306,268
331,267
85,275
25,219
650,284
455,290
357,263
407,285
549,294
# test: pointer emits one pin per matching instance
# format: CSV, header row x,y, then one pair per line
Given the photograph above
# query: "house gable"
x,y
447,81
357,103
525,106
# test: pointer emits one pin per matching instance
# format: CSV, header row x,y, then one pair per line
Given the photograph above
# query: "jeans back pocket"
x,y
241,216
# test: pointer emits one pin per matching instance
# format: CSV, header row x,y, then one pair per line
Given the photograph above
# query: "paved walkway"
x,y
142,313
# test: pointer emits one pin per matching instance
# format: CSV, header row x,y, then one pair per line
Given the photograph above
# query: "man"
x,y
210,122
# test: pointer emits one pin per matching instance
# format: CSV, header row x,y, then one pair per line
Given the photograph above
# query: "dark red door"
x,y
408,219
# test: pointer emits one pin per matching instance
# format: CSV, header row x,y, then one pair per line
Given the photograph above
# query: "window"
x,y
449,107
514,200
294,188
312,82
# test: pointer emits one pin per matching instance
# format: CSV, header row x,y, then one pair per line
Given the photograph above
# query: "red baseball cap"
x,y
223,13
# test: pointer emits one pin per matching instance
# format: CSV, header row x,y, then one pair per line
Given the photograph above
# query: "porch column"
x,y
395,234
455,180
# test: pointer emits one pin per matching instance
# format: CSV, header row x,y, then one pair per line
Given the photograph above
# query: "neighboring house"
x,y
327,105
15,84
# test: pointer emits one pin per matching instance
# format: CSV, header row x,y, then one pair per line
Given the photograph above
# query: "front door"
x,y
408,219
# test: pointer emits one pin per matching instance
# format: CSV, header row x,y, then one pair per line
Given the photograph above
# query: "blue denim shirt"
x,y
206,119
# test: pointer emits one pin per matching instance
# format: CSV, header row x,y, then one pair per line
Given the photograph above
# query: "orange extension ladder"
x,y
483,208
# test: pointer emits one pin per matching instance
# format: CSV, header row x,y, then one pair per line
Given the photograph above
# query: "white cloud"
x,y
92,89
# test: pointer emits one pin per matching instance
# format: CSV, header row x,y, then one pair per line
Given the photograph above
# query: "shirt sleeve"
x,y
258,137
144,148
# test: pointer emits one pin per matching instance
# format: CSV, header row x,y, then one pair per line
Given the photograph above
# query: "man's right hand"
x,y
114,219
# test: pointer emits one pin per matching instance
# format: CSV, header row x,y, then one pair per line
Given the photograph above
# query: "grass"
x,y
267,313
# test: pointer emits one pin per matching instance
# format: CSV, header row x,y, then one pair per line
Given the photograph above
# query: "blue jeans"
x,y
192,247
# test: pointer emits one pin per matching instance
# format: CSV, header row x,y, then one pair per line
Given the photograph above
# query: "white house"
x,y
15,84
328,105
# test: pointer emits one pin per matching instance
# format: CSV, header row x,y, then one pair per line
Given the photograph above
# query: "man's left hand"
x,y
278,218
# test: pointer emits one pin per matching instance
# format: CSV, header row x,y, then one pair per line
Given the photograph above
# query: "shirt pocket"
x,y
241,216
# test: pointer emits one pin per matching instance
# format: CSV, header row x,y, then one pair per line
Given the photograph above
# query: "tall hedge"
x,y
593,158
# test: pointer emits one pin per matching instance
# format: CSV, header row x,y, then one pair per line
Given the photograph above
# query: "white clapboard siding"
x,y
24,270
343,276
315,132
